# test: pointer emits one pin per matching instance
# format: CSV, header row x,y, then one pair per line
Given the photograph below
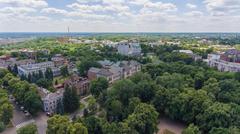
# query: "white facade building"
x,y
50,100
35,68
129,48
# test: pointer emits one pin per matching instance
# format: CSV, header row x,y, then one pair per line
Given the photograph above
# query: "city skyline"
x,y
120,15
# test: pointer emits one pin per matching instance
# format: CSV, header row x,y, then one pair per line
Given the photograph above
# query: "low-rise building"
x,y
35,68
114,71
80,84
129,48
59,60
50,100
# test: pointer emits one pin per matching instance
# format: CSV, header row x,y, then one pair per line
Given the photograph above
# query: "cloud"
x,y
222,7
138,2
191,6
26,3
53,11
112,2
88,1
98,8
194,14
158,6
17,10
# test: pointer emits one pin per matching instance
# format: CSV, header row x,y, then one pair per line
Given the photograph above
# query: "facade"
x,y
114,71
215,60
29,53
129,48
81,85
35,68
231,55
50,100
59,60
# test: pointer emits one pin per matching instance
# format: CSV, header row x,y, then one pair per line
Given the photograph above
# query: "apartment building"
x,y
129,48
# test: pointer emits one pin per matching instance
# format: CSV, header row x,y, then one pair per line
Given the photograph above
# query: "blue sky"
x,y
120,15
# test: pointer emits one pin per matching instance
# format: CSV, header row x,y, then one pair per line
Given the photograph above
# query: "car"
x,y
27,113
49,114
22,108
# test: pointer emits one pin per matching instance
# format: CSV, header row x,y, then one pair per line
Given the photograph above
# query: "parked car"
x,y
22,108
49,114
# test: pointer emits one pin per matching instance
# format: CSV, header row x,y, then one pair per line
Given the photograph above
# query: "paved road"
x,y
41,122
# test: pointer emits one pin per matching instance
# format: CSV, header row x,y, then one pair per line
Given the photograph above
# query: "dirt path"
x,y
173,126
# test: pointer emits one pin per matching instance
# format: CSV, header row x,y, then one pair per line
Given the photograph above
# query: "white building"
x,y
224,66
129,48
35,68
51,100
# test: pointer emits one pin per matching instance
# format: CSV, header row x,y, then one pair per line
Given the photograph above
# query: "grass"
x,y
60,79
82,106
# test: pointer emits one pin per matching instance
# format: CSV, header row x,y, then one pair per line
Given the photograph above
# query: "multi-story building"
x,y
35,68
114,71
80,84
214,60
59,60
129,48
50,100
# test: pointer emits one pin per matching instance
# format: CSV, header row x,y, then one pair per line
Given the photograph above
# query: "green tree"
x,y
49,74
29,129
191,129
98,86
58,125
93,124
77,128
70,100
143,119
85,65
64,71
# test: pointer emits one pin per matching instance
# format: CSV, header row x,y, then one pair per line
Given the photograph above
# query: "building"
x,y
231,55
129,48
31,54
80,84
114,71
215,60
35,68
59,60
51,100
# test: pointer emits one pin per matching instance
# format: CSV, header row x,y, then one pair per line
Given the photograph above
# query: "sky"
x,y
120,15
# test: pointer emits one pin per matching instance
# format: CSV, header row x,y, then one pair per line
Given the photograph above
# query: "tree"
x,y
145,91
64,71
93,124
77,128
6,108
143,119
191,129
70,100
45,83
114,110
98,86
57,125
217,115
49,74
60,108
32,102
29,129
15,69
85,65
2,127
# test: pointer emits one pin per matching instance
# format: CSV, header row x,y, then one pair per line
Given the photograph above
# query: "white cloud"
x,y
98,8
158,7
194,14
222,7
191,6
26,3
112,2
138,2
17,10
88,1
53,11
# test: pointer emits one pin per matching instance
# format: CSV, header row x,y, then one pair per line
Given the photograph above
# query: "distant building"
x,y
114,71
81,85
231,55
35,68
50,100
59,60
195,57
129,48
31,54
